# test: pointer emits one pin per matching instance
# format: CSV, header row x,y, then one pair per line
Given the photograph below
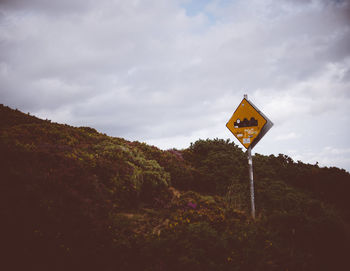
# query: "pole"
x,y
250,165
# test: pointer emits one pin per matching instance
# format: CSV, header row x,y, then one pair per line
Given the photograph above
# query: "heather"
x,y
72,198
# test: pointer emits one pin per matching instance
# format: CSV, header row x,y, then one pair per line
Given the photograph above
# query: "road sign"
x,y
248,124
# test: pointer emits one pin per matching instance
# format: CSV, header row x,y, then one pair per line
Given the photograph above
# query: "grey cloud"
x,y
43,6
148,71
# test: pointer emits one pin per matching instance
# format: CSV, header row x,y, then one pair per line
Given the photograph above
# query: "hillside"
x,y
72,198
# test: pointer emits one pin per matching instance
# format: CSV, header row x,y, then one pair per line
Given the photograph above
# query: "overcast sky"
x,y
169,72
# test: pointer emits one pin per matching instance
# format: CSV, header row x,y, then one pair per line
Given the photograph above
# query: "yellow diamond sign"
x,y
248,124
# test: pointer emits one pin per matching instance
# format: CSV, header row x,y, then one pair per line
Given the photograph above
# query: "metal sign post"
x,y
248,124
251,180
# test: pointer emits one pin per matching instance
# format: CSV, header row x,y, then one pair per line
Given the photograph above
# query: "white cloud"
x,y
327,156
169,72
288,136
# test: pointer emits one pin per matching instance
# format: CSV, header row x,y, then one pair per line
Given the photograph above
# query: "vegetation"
x,y
75,199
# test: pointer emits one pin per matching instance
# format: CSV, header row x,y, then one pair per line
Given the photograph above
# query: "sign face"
x,y
248,124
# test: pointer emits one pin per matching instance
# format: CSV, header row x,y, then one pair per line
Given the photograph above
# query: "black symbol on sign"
x,y
245,123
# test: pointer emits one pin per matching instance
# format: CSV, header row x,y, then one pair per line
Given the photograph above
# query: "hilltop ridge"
x,y
73,198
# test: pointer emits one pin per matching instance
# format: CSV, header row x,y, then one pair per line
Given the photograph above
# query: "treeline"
x,y
76,199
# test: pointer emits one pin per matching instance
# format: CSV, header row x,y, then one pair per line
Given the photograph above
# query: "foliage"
x,y
75,199
217,162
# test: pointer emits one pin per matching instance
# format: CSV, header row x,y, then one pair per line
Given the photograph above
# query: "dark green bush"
x,y
75,199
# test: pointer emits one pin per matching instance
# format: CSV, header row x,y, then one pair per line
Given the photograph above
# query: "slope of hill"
x,y
75,199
